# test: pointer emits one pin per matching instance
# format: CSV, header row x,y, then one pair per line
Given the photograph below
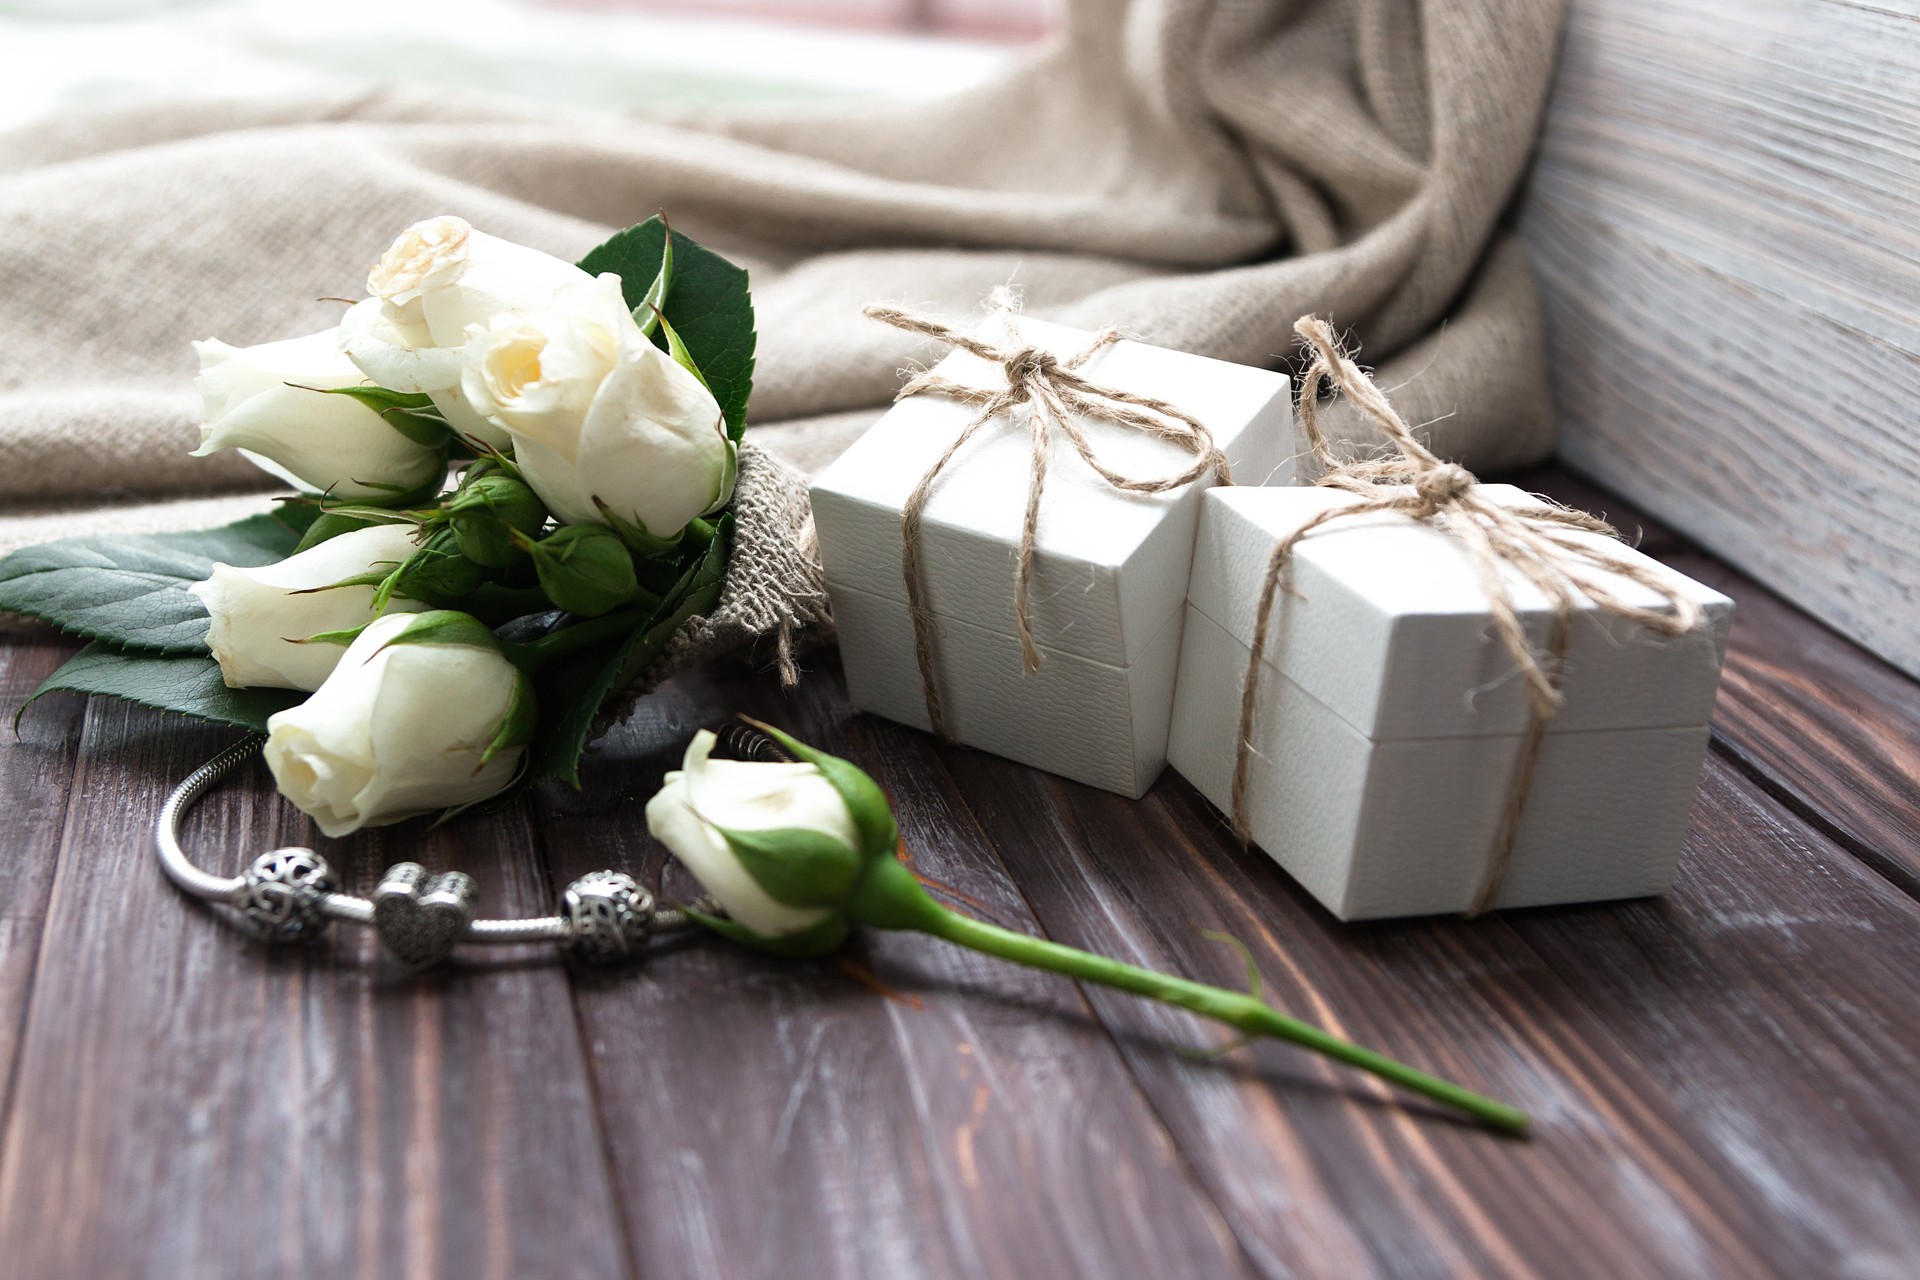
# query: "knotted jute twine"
x,y
1543,543
1054,393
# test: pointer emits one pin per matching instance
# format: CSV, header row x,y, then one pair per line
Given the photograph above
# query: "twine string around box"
x,y
1055,394
1549,545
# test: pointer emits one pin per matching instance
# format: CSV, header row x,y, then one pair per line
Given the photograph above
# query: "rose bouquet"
x,y
524,496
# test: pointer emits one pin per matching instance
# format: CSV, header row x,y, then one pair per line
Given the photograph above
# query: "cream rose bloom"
x,y
437,278
269,401
597,411
403,728
704,795
262,616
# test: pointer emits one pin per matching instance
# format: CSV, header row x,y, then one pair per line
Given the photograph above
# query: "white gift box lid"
x,y
1390,629
1104,584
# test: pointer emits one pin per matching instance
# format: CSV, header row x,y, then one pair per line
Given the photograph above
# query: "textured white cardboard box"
x,y
1389,719
1110,568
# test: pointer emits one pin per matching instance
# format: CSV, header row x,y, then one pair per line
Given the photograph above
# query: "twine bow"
x,y
1544,543
1055,394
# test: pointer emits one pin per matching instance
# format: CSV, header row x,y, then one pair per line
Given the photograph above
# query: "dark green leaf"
x,y
187,683
708,305
131,589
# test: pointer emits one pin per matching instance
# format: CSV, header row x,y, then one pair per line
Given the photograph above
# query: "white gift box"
x,y
1390,717
1110,568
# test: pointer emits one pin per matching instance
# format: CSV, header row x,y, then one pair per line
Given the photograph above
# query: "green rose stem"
x,y
889,897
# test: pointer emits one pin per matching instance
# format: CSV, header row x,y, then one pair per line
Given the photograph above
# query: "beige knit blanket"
x,y
1199,172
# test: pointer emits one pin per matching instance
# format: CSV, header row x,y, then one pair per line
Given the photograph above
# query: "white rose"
x,y
269,400
403,358
262,616
597,411
444,275
438,278
704,795
424,712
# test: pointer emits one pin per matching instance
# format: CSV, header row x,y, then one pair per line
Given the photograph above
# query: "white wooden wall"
x,y
1726,223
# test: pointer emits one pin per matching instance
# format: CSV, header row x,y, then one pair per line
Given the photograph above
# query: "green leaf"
x,y
708,305
187,683
797,866
571,692
131,589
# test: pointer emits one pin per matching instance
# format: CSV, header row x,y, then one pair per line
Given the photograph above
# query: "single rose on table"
x,y
798,853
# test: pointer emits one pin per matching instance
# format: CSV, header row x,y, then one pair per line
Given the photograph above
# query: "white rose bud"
x,y
270,400
263,617
703,807
424,712
603,422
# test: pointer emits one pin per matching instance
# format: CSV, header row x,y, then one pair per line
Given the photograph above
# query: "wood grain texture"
x,y
188,1103
1726,221
1720,1078
772,1119
36,776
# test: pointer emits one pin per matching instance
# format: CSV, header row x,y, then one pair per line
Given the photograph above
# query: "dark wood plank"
x,y
36,774
189,1103
1725,218
769,1117
1639,1167
1819,721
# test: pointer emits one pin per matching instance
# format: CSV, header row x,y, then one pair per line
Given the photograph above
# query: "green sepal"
x,y
866,802
517,726
648,313
438,573
682,357
410,413
634,535
330,524
815,940
343,637
447,627
797,866
380,399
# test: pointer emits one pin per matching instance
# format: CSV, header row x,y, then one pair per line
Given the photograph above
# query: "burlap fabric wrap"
x,y
1555,548
1196,172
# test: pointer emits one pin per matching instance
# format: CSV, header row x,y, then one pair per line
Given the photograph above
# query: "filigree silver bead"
x,y
281,893
420,916
609,916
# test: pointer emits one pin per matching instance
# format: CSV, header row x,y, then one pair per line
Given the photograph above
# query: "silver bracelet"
x,y
290,894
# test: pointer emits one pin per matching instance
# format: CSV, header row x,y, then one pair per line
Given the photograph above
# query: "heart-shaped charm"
x,y
421,916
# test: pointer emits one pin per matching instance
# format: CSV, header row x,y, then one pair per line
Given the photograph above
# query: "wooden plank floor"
x,y
1722,1079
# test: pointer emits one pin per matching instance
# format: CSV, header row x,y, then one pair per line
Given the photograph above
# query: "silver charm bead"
x,y
420,916
609,916
281,893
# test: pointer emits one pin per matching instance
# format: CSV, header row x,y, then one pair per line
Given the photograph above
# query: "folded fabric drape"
x,y
1197,172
